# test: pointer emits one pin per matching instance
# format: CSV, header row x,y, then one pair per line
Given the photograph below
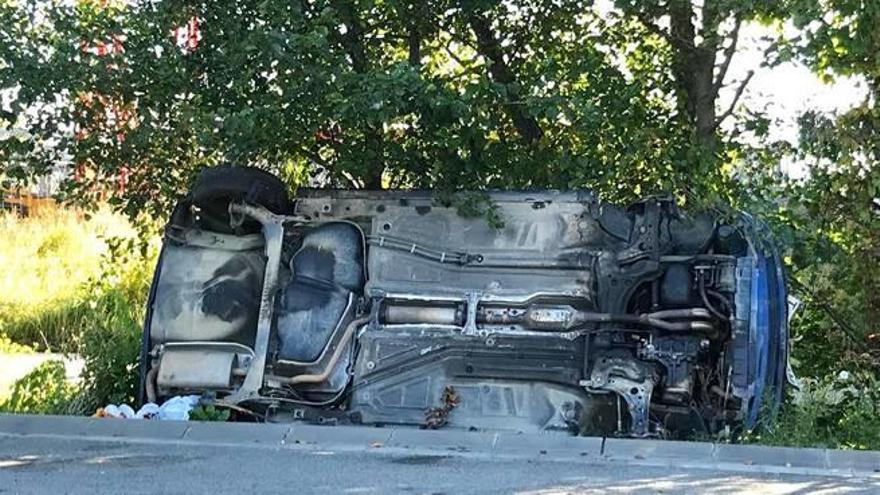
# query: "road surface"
x,y
209,463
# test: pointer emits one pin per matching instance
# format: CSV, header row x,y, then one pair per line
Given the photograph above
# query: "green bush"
x,y
209,413
110,343
7,346
45,390
836,411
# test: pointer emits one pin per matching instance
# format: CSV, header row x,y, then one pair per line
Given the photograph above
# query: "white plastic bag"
x,y
178,407
122,411
147,411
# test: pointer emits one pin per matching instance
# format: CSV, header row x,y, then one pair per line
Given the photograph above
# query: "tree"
x,y
832,215
443,94
703,38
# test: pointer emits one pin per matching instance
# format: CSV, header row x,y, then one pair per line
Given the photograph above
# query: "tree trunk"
x,y
694,71
489,48
353,43
414,43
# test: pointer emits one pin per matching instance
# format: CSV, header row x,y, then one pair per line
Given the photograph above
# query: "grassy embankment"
x,y
71,284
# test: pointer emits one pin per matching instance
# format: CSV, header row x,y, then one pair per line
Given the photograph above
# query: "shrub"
x,y
7,346
209,413
110,344
835,411
45,390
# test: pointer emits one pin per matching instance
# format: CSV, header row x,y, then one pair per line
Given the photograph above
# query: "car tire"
x,y
216,187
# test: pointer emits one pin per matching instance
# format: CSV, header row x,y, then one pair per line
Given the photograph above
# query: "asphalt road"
x,y
90,466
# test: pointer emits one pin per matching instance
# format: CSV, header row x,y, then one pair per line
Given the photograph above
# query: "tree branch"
x,y
736,97
453,55
500,71
682,32
710,24
414,42
353,39
729,51
314,157
650,25
354,183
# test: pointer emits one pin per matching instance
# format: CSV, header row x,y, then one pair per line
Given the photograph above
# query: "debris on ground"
x,y
175,409
122,411
438,417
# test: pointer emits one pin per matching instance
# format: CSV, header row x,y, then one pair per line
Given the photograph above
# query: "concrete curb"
x,y
547,446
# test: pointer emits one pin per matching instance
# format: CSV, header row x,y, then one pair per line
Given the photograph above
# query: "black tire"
x,y
216,187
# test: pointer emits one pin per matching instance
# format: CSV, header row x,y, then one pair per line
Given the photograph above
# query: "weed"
x,y
94,308
44,390
46,261
835,411
209,413
7,346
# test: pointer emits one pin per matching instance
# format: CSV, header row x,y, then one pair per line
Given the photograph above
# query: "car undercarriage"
x,y
391,307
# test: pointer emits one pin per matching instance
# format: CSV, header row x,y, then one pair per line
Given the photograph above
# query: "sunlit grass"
x,y
45,258
73,284
46,261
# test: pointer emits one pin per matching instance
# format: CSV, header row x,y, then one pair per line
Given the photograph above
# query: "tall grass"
x,y
47,262
72,284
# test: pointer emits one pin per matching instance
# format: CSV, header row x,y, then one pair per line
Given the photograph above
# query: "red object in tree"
x,y
329,134
187,37
123,179
192,34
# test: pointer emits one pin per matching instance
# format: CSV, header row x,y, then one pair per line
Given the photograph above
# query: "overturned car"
x,y
388,307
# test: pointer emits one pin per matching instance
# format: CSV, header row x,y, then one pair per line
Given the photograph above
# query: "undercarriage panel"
x,y
390,307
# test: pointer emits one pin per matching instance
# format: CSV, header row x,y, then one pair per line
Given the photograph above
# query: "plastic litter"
x,y
178,407
174,409
122,411
148,411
